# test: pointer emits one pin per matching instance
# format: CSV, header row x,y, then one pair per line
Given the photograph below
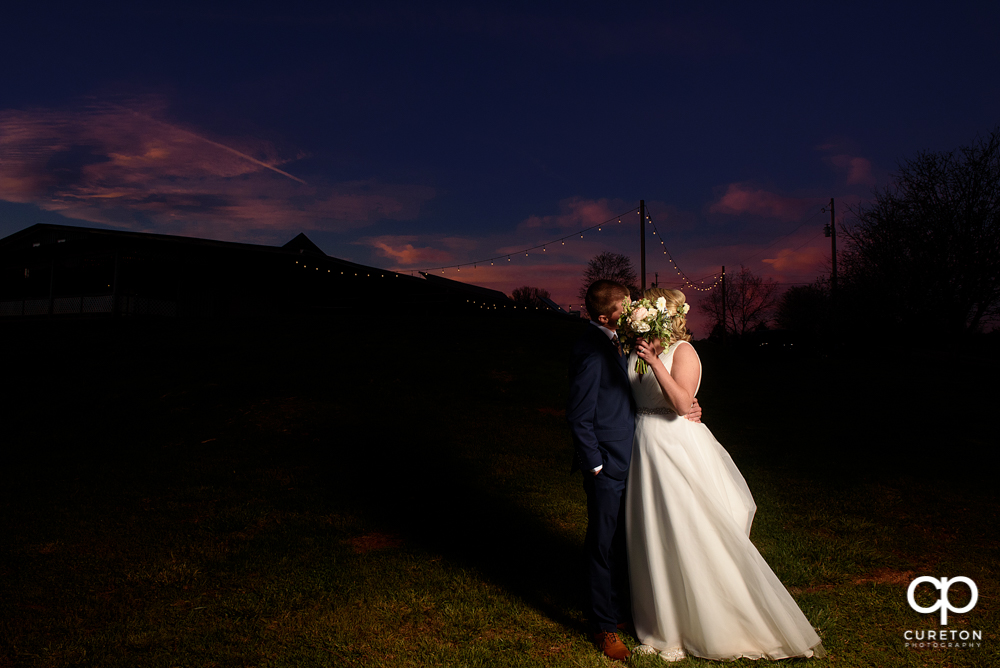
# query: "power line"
x,y
797,228
809,240
687,282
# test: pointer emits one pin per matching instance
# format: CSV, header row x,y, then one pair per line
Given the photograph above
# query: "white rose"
x,y
661,304
684,309
642,328
639,314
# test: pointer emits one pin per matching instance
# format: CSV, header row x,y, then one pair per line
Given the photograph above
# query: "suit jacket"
x,y
601,410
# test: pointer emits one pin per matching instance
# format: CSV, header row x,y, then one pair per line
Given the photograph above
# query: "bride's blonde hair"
x,y
675,299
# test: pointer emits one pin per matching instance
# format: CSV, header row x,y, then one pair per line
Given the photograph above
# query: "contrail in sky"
x,y
216,144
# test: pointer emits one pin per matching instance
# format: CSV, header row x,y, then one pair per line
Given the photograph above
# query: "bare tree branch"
x,y
749,302
612,267
928,245
528,296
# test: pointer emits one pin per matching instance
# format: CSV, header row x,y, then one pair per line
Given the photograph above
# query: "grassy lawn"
x,y
265,495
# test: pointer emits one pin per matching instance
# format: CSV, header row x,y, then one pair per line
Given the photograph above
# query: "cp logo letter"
x,y
943,584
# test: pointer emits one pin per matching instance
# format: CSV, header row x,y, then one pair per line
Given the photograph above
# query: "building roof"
x,y
552,305
303,245
47,235
467,288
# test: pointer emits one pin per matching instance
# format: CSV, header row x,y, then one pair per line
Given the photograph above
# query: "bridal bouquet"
x,y
647,319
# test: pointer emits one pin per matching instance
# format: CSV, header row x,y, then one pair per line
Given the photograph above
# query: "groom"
x,y
601,415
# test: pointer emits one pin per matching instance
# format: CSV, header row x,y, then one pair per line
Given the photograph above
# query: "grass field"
x,y
252,494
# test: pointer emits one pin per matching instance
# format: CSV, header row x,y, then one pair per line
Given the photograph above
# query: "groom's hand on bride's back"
x,y
695,413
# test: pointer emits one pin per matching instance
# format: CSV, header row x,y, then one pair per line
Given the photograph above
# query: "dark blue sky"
x,y
412,138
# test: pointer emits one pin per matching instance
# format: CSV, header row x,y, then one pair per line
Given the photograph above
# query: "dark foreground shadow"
x,y
407,433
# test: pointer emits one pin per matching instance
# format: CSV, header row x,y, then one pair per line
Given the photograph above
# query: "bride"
x,y
698,584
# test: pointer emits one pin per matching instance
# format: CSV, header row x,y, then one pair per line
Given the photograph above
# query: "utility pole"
x,y
642,242
656,279
831,231
833,251
723,303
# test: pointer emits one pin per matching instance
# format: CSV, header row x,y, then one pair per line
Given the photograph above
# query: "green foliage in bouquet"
x,y
645,319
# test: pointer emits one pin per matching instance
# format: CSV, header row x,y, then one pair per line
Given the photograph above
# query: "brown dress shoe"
x,y
612,646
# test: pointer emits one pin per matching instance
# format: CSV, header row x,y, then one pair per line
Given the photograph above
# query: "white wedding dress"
x,y
698,584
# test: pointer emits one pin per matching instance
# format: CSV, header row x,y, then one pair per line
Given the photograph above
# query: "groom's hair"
x,y
603,296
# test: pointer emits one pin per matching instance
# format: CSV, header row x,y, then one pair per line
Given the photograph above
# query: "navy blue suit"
x,y
601,415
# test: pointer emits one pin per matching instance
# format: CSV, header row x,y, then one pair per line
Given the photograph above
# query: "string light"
x,y
562,242
688,283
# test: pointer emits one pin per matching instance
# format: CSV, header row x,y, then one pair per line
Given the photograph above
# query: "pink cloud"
x,y
802,261
859,170
575,213
842,154
741,198
401,250
129,168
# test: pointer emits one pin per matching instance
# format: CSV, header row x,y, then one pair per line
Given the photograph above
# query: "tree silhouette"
x,y
612,267
749,302
528,296
925,253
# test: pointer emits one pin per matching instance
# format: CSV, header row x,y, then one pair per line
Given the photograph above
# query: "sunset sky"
x,y
414,138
